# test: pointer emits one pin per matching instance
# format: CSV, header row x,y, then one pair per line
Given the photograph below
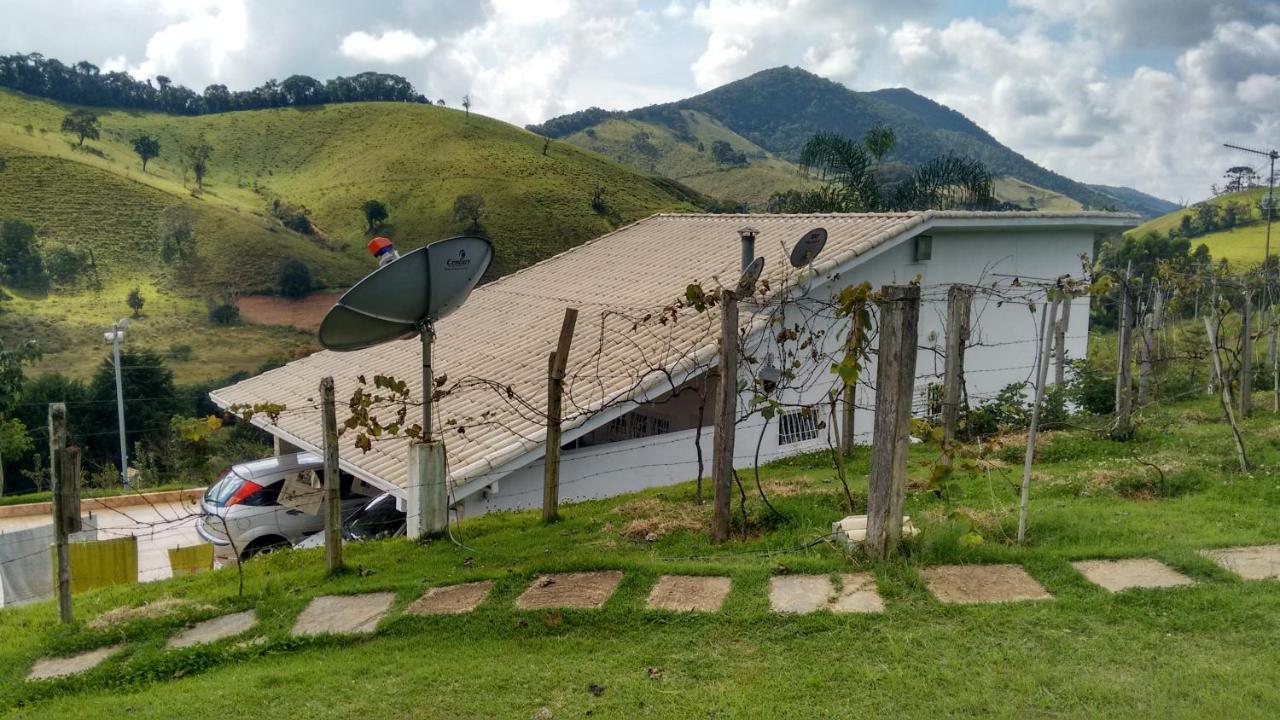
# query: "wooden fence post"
x,y
959,302
1246,355
332,480
1122,426
895,380
726,417
1042,376
556,364
59,460
1060,339
852,345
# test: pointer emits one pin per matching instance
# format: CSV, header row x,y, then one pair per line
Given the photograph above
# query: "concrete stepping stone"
x,y
982,584
689,593
1119,575
215,629
1257,562
451,599
343,614
73,665
799,594
570,590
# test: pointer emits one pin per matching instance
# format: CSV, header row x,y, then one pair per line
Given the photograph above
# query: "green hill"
x,y
776,111
327,159
1241,245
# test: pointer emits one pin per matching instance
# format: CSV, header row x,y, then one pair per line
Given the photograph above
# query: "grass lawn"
x,y
1211,650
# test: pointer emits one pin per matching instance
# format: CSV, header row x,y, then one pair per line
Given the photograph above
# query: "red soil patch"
x,y
303,314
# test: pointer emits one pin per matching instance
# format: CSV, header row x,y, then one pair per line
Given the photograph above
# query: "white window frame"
x,y
797,426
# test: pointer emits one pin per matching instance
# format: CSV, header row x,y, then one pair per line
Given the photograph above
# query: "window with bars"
x,y
638,425
797,426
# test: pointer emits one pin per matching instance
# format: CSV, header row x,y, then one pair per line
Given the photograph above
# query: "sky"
x,y
1126,92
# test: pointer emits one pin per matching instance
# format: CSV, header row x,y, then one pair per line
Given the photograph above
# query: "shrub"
x,y
224,314
1090,389
20,261
65,264
180,352
295,279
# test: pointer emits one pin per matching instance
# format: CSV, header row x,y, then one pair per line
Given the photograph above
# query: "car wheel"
x,y
264,546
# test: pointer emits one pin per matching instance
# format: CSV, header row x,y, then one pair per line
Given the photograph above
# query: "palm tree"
x,y
849,170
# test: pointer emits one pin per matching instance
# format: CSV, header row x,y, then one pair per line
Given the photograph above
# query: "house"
x,y
637,380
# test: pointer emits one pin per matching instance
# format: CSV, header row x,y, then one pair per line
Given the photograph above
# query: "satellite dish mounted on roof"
x,y
406,296
808,247
750,275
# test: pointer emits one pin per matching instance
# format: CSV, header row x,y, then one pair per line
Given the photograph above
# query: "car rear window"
x,y
221,491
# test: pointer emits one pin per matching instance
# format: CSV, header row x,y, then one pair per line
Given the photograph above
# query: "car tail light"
x,y
246,491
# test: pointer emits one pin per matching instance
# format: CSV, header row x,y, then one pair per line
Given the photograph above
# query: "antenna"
x,y
808,247
407,296
1271,155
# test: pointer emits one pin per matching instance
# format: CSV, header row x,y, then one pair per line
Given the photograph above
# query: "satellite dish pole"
x,y
406,296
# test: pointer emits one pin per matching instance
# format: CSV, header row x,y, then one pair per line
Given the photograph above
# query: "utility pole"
x,y
1271,156
332,480
959,302
556,365
895,380
725,418
114,337
1042,376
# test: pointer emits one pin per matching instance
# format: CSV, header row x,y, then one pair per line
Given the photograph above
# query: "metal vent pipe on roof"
x,y
748,235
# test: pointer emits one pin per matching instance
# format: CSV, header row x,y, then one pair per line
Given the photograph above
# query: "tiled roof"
x,y
506,330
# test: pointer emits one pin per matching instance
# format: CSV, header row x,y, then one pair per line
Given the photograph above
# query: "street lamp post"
x,y
114,337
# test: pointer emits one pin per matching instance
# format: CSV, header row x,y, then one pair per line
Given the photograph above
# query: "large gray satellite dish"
x,y
397,299
405,297
808,248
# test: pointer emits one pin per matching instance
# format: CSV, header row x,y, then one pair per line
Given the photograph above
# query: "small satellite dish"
x,y
808,248
747,283
398,298
405,297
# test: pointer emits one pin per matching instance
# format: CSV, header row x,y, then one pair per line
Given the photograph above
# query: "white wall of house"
x,y
1003,350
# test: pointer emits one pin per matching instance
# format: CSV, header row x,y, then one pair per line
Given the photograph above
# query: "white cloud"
x,y
201,36
392,46
675,10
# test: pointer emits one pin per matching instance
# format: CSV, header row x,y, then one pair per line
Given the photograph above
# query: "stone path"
x,y
343,614
788,594
967,584
1259,562
689,593
799,594
570,590
73,665
215,629
451,599
1120,575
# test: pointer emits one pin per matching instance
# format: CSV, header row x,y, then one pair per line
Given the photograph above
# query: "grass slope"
x,y
1212,649
329,159
1242,245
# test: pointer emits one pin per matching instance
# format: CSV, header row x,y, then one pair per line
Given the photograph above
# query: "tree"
x,y
848,168
65,264
81,123
466,104
14,440
135,301
723,153
197,157
879,140
469,209
20,261
146,147
375,213
143,374
295,279
1239,177
175,237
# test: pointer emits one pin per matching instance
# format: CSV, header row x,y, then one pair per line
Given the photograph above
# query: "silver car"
x,y
242,514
